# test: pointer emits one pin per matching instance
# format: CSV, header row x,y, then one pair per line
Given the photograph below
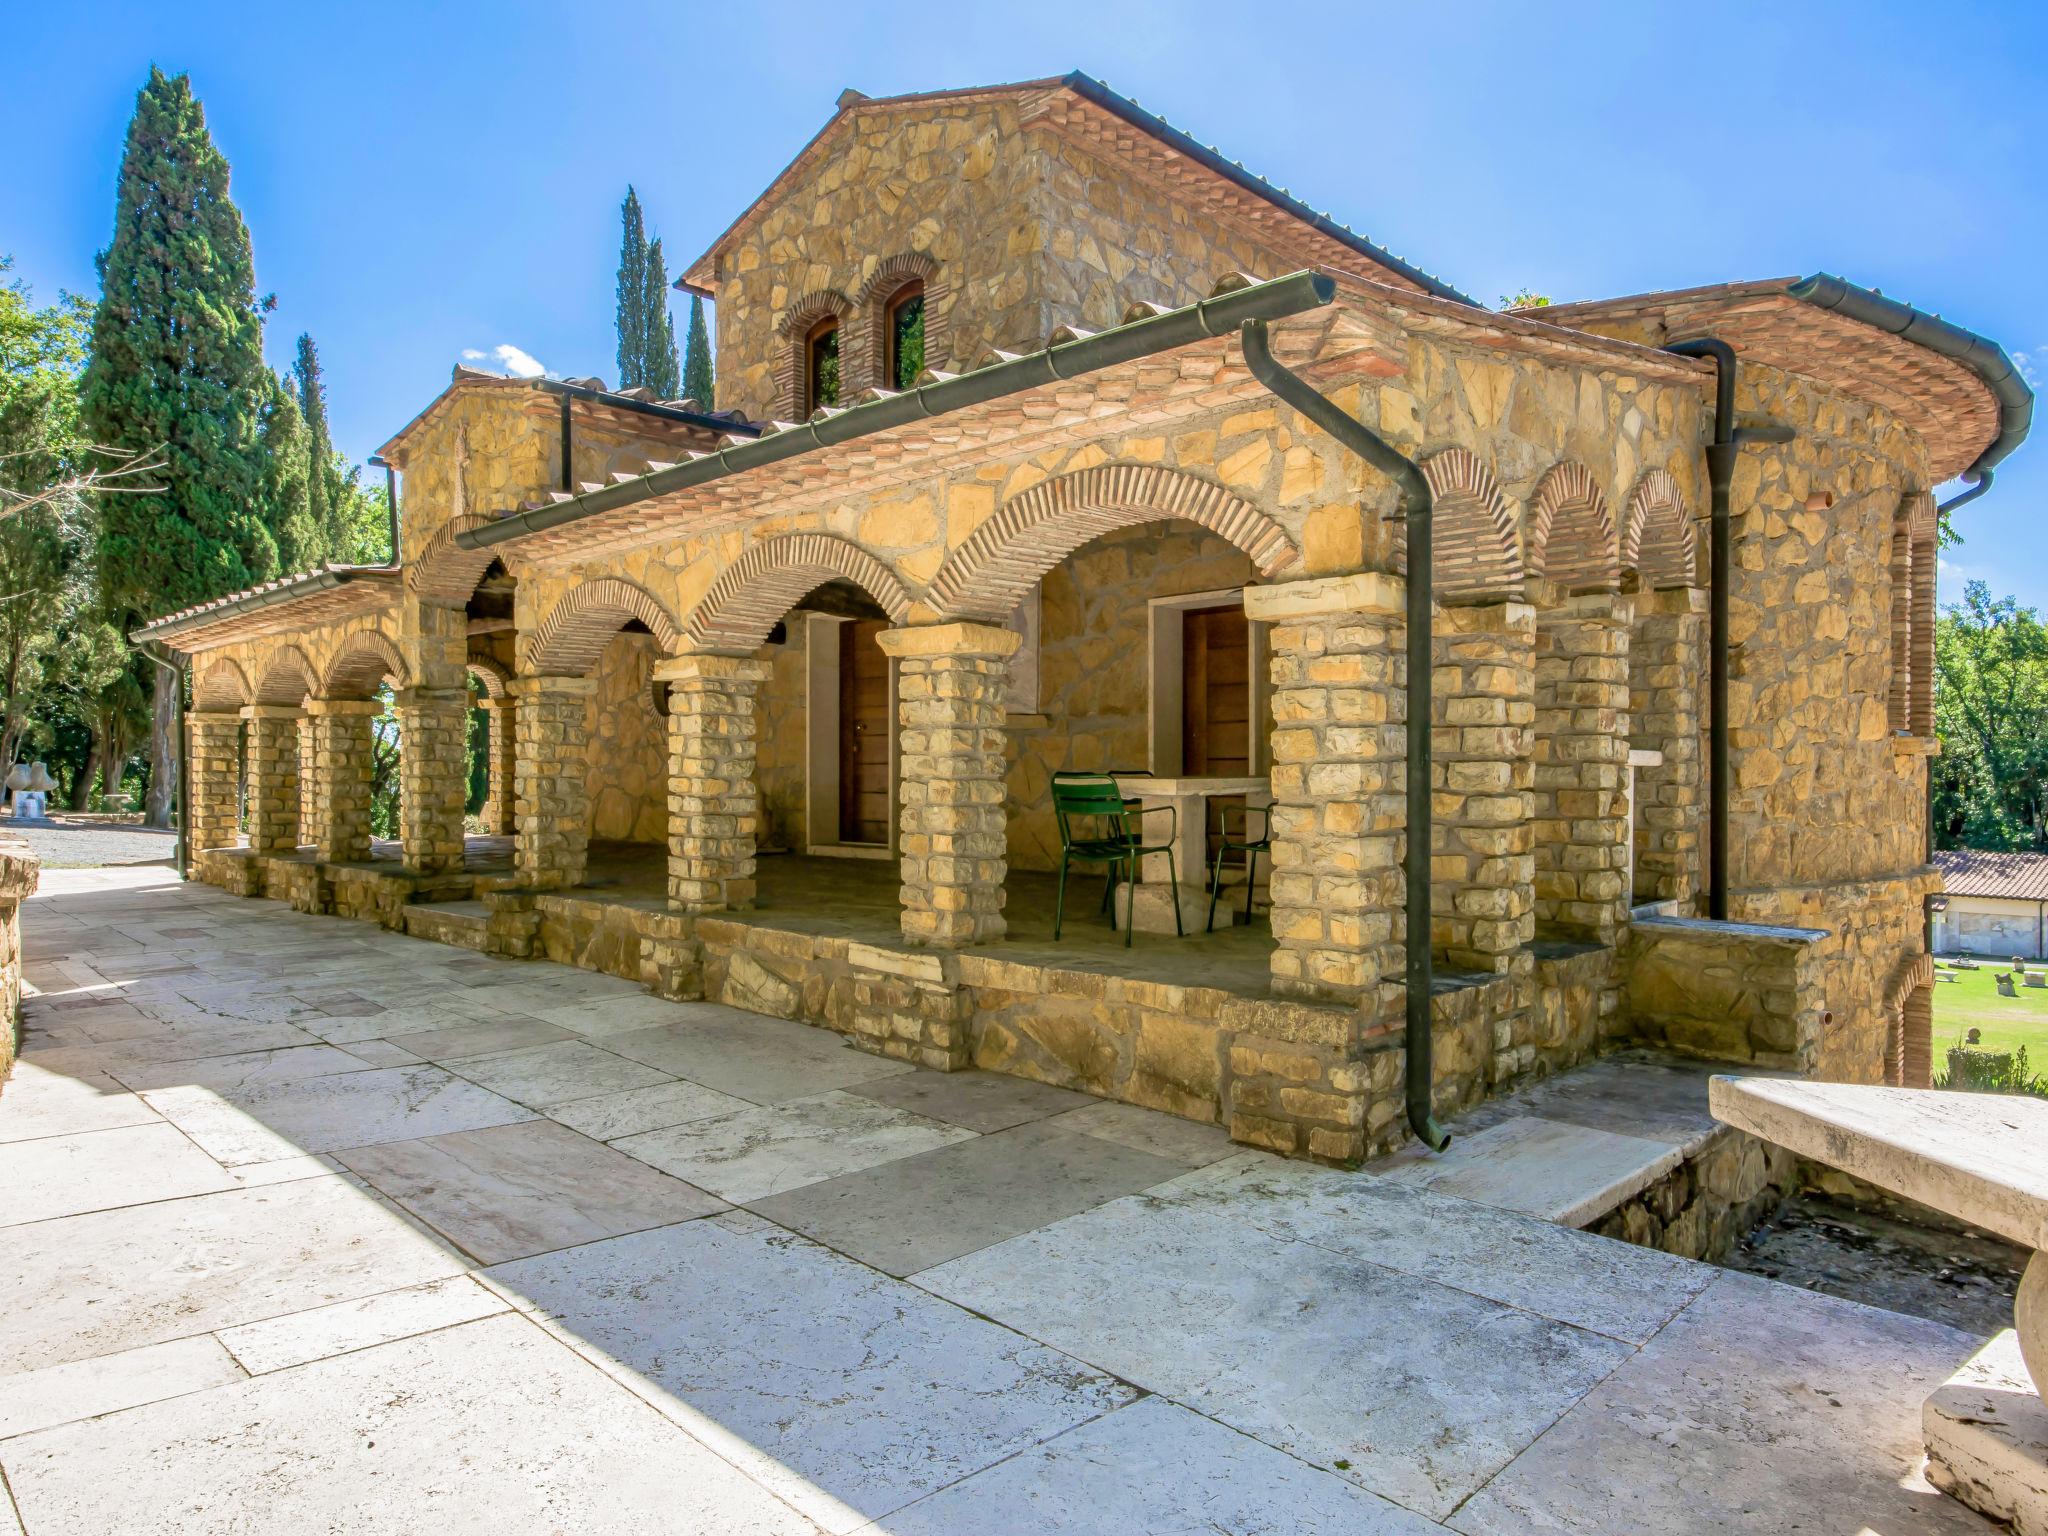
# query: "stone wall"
x,y
625,753
782,751
1728,991
19,871
1704,1206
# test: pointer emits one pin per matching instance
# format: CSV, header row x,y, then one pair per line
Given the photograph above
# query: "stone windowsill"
x,y
1915,746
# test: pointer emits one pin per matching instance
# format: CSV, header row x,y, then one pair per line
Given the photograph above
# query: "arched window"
x,y
821,364
903,336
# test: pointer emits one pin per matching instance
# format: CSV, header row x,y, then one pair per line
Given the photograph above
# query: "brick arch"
x,y
796,322
361,665
993,571
1477,553
222,686
494,674
1571,535
572,637
288,679
870,306
1656,534
445,572
1908,1052
758,588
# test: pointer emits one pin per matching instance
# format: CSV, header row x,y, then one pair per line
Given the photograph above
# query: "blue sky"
x,y
423,181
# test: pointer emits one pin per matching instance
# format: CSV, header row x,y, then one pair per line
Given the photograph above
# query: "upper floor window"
x,y
903,335
821,364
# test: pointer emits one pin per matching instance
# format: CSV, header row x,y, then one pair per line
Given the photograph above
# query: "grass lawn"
x,y
1972,1002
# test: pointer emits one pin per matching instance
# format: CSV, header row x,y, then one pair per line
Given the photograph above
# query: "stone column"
x,y
307,750
1582,767
342,770
713,797
273,746
949,687
1339,702
1667,674
1482,859
498,798
552,798
433,776
215,748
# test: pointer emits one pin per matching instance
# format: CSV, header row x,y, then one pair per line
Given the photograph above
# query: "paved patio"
x,y
314,1227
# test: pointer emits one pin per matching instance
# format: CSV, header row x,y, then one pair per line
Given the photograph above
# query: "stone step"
x,y
461,923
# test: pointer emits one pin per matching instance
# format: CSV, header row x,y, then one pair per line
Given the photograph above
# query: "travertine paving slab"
x,y
1424,1391
1187,1142
908,1215
172,1045
326,1114
1158,1469
1571,1174
514,1190
486,1428
979,1101
479,1038
35,1101
542,1075
128,1378
765,1061
1757,1407
298,1337
380,1053
87,1285
251,1069
761,1150
848,1393
594,1018
64,1175
612,1115
1569,1276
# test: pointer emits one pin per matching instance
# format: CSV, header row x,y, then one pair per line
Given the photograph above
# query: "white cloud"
x,y
507,359
2030,364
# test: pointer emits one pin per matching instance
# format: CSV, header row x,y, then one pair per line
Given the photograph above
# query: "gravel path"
x,y
62,844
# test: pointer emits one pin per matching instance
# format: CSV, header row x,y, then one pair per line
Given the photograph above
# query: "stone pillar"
x,y
307,750
500,715
273,745
433,776
713,797
1482,859
949,689
215,747
342,770
1667,678
1916,1037
1339,701
1582,767
552,798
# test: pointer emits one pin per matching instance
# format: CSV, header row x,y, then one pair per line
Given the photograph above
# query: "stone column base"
x,y
1986,1430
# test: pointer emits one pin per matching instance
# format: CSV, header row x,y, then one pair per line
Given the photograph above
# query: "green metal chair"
x,y
1244,843
1099,826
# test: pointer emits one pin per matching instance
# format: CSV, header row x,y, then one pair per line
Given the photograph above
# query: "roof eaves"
x,y
1207,318
284,589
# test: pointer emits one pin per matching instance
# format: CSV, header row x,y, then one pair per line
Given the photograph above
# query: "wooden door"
x,y
1216,698
863,733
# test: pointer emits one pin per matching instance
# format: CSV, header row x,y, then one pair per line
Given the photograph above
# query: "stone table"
x,y
1983,1159
1183,874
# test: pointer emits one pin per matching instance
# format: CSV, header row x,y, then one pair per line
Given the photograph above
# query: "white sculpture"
x,y
29,785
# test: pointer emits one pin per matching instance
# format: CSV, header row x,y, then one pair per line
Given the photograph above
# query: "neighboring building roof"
x,y
1083,106
1949,404
331,592
2012,876
633,402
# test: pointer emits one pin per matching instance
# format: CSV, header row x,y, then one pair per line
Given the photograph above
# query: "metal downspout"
x,y
378,461
150,648
1417,505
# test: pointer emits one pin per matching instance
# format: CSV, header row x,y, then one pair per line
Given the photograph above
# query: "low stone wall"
x,y
1702,1208
1737,992
19,871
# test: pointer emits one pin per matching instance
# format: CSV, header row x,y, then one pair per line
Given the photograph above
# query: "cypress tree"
x,y
290,477
321,489
697,382
632,312
660,372
177,368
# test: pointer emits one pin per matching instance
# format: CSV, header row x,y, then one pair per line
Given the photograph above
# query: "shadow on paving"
x,y
315,1226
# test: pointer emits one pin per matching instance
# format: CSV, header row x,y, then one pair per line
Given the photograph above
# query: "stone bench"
x,y
1983,1159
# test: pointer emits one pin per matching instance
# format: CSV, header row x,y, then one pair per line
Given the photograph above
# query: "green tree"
x,y
698,384
1524,298
647,336
290,476
325,492
1990,784
662,373
177,369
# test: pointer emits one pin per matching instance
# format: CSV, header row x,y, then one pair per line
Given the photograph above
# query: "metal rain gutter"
x,y
620,402
1205,320
1417,506
1980,354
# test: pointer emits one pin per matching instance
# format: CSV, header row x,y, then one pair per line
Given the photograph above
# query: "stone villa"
x,y
1002,484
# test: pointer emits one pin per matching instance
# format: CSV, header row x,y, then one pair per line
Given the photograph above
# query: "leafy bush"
x,y
1972,1069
